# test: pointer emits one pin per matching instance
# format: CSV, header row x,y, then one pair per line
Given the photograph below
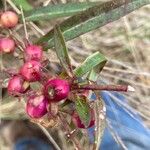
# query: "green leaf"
x,y
90,62
24,3
83,110
94,73
56,11
62,51
93,18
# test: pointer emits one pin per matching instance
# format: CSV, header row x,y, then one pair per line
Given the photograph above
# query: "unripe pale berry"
x,y
78,123
56,89
33,52
36,106
9,19
17,86
31,71
7,45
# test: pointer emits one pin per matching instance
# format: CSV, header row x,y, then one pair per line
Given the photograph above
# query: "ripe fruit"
x,y
78,123
33,52
9,19
17,85
56,89
7,45
36,106
31,71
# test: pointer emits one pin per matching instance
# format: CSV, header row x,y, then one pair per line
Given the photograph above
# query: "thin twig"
x,y
14,6
24,24
124,88
45,131
36,28
5,5
19,12
100,115
71,136
45,3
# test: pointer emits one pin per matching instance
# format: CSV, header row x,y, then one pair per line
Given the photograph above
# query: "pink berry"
x,y
78,123
9,19
57,89
31,71
33,52
7,45
36,106
17,85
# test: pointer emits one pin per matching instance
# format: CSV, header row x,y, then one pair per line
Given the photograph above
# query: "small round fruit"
x,y
9,19
78,123
17,86
33,52
31,71
7,45
36,106
57,89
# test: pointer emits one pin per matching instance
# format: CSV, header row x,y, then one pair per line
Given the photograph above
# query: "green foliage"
x,y
94,73
96,61
56,11
83,110
62,51
93,18
87,17
24,3
92,61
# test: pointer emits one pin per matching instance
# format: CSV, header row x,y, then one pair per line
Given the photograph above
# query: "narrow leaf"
x,y
56,11
94,73
83,110
93,18
62,51
24,3
90,62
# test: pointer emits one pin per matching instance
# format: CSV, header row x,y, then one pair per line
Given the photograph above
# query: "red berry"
x,y
78,123
33,52
31,71
9,19
36,106
17,85
57,89
7,45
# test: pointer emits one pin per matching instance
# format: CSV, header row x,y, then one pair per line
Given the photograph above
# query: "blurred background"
x,y
126,44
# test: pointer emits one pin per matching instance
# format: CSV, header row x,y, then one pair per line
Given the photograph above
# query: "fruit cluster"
x,y
55,89
8,19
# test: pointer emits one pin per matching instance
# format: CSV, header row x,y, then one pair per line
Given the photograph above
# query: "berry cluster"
x,y
55,89
8,19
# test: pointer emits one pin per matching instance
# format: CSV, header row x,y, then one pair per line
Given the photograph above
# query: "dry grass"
x,y
125,42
